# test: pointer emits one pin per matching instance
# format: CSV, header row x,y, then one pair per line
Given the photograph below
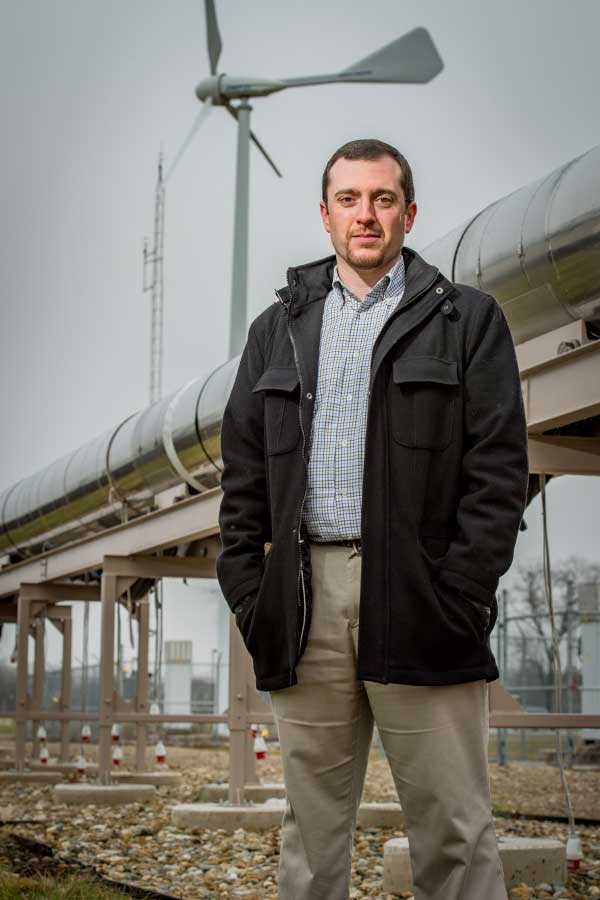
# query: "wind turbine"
x,y
410,59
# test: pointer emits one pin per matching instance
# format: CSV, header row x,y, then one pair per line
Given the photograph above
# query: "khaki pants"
x,y
435,739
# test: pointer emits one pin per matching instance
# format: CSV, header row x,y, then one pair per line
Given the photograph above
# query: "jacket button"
x,y
447,307
309,396
439,290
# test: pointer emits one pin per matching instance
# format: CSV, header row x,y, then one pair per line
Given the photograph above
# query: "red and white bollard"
x,y
260,747
115,733
81,767
86,734
41,735
254,730
161,754
117,755
44,755
574,852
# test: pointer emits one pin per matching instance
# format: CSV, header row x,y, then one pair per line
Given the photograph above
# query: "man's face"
x,y
366,213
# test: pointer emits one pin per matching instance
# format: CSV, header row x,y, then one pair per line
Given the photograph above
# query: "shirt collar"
x,y
390,286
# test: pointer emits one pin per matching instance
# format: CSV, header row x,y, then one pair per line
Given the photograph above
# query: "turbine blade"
x,y
258,144
215,45
233,112
410,59
190,136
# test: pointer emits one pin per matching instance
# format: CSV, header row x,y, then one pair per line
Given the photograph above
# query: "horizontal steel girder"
x,y
562,389
193,519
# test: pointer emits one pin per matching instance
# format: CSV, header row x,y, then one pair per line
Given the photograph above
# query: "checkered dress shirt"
x,y
337,447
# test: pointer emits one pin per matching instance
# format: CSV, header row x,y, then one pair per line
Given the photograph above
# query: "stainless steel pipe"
x,y
537,251
117,475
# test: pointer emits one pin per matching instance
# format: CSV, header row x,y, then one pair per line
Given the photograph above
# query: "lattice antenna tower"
x,y
153,283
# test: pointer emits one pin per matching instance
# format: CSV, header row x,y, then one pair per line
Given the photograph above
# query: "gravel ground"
x,y
137,844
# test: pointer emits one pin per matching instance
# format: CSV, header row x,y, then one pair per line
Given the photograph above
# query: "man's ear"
x,y
325,216
411,212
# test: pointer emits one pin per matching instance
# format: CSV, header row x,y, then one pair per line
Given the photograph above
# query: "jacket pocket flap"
x,y
425,368
278,379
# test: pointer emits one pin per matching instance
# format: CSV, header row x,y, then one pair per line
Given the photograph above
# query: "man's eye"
x,y
346,200
386,201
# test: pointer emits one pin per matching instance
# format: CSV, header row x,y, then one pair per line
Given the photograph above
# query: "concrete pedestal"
x,y
529,860
66,768
261,816
253,793
154,777
106,794
380,815
42,777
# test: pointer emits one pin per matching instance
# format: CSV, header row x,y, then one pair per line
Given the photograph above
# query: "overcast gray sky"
x,y
89,93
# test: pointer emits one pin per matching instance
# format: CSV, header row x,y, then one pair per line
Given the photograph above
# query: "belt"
x,y
354,543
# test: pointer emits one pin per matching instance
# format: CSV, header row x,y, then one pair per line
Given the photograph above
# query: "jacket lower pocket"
x,y
244,614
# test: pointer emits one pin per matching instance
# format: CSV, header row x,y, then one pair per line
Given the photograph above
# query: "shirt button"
x,y
344,443
349,396
309,396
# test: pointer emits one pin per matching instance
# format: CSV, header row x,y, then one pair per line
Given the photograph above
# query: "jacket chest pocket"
x,y
281,390
423,397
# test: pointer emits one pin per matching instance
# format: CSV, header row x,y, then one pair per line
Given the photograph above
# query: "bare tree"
x,y
530,599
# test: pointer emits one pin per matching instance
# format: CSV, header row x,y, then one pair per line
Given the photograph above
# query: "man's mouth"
x,y
366,238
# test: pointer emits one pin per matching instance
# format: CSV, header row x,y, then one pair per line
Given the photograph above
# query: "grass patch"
x,y
39,887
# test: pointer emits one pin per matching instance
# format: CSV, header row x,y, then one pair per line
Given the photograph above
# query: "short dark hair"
x,y
371,148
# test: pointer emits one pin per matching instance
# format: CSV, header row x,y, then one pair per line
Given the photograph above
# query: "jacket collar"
x,y
312,281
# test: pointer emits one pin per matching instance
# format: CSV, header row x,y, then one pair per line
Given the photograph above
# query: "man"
x,y
375,474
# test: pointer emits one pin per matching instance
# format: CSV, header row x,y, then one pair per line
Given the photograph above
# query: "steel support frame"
x,y
33,609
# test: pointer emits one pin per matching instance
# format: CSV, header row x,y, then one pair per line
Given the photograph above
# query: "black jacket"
x,y
444,484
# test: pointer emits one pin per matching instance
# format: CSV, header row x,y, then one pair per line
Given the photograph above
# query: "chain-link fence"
x,y
528,668
207,685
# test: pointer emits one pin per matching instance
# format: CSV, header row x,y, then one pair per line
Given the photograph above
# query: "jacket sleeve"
x,y
494,470
244,517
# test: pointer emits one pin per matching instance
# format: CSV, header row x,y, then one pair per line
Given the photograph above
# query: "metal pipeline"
x,y
116,476
537,251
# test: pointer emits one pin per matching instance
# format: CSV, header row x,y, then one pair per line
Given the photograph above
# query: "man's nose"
x,y
366,212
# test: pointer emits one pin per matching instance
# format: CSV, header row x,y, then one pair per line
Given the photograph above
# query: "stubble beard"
x,y
367,259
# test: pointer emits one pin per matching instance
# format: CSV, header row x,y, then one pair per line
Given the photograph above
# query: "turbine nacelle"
x,y
223,88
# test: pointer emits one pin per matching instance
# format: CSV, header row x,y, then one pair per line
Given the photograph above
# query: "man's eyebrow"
x,y
356,193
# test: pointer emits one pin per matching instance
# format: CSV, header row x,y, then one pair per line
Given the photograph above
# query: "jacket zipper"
x,y
300,579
